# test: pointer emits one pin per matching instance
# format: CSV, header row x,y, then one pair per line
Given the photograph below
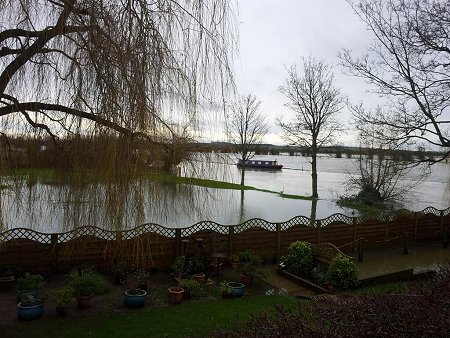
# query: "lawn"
x,y
187,319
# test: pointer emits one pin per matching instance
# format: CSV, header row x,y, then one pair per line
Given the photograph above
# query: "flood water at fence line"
x,y
57,208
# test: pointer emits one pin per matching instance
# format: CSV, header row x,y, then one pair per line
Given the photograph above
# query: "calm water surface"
x,y
51,208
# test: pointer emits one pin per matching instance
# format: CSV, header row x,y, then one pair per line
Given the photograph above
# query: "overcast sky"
x,y
275,34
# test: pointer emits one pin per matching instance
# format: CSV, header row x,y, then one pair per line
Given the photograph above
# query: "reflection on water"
x,y
59,207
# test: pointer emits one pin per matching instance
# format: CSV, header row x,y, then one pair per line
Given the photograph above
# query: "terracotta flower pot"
x,y
175,294
84,301
200,278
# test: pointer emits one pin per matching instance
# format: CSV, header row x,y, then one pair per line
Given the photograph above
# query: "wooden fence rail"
x,y
154,246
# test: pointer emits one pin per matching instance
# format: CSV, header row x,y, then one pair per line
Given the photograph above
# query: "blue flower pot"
x,y
237,289
135,298
29,312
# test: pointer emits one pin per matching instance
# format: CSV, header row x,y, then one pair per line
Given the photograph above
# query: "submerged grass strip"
x,y
187,319
218,185
49,176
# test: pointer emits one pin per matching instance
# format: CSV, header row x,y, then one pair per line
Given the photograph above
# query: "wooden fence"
x,y
155,246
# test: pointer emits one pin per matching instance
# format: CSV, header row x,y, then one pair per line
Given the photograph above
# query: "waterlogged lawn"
x,y
86,176
189,319
218,185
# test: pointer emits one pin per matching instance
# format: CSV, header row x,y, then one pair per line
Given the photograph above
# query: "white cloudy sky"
x,y
275,34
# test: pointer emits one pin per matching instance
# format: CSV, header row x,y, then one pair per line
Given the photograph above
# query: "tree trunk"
x,y
314,172
242,174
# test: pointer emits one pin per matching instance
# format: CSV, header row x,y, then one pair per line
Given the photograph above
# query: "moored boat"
x,y
262,164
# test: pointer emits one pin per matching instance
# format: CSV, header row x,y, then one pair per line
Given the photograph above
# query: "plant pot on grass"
x,y
63,298
28,285
137,279
175,294
199,277
135,298
237,289
29,308
85,285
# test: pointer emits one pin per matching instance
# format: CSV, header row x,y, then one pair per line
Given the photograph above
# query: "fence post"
x,y
360,249
278,242
177,242
318,226
405,243
354,233
54,253
441,224
230,239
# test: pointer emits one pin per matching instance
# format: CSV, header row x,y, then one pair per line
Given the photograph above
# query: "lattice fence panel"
x,y
202,226
298,220
24,233
148,228
431,210
446,212
337,218
86,231
255,223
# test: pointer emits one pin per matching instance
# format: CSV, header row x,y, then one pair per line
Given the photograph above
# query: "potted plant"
x,y
28,285
237,289
30,307
175,294
199,277
250,266
63,297
85,285
191,287
137,279
135,298
179,268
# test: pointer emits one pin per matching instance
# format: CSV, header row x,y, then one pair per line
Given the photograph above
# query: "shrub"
x,y
29,282
299,260
191,288
87,283
342,273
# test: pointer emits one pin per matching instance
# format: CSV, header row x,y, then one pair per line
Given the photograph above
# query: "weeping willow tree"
x,y
108,85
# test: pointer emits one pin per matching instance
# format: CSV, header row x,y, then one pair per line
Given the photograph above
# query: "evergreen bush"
x,y
299,260
342,273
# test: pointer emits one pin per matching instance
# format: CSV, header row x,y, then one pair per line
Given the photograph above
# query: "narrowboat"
x,y
261,164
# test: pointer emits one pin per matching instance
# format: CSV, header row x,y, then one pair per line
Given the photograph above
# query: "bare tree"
x,y
246,128
407,62
131,68
316,103
382,179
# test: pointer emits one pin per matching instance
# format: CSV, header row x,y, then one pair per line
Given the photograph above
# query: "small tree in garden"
x,y
299,260
342,273
247,127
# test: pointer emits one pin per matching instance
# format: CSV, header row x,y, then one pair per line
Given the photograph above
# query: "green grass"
x,y
218,185
187,319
